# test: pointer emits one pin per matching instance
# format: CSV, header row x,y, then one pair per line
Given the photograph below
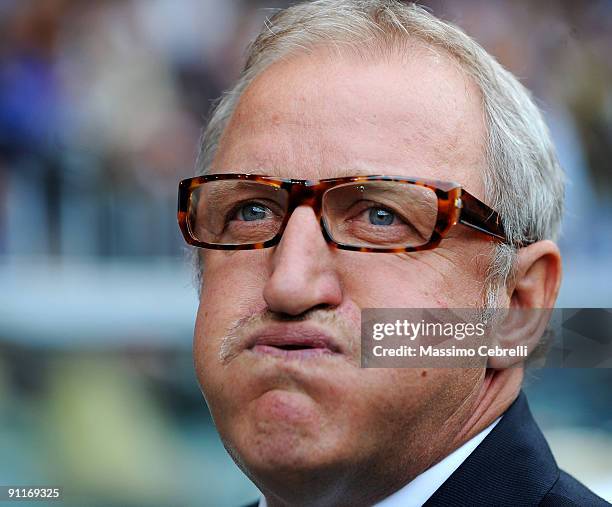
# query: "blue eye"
x,y
379,216
252,212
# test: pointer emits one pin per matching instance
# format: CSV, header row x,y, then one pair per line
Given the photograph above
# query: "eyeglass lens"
x,y
362,214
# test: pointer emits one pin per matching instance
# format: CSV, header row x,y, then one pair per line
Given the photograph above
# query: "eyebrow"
x,y
344,172
223,192
340,172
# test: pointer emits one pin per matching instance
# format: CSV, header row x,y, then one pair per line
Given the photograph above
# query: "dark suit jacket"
x,y
512,467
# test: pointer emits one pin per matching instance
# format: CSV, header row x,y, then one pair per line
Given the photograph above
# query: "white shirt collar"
x,y
423,486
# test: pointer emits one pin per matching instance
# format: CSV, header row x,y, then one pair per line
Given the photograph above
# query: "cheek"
x,y
397,283
232,287
430,279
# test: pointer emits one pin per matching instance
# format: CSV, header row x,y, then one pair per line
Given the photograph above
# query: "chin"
x,y
282,430
281,455
282,452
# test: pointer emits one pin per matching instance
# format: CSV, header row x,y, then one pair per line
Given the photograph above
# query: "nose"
x,y
302,272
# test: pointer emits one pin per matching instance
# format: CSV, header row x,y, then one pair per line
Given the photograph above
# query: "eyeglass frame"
x,y
455,206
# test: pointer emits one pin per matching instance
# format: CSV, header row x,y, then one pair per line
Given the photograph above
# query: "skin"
x,y
324,431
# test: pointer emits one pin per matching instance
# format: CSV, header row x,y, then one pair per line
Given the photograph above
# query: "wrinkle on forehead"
x,y
319,115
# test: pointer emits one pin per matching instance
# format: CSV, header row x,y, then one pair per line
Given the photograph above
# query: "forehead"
x,y
324,115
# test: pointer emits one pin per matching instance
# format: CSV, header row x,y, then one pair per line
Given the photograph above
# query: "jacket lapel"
x,y
512,466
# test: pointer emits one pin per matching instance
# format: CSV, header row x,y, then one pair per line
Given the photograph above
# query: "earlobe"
x,y
532,293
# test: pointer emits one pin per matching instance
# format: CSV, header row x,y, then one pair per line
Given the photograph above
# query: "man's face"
x,y
312,117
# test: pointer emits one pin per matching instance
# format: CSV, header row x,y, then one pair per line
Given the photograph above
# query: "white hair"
x,y
523,180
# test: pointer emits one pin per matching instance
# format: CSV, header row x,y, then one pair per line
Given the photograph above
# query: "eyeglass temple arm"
x,y
479,216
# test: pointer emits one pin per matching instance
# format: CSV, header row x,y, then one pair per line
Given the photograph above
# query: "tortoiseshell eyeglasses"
x,y
360,213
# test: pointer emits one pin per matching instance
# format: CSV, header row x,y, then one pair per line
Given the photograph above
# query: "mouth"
x,y
293,342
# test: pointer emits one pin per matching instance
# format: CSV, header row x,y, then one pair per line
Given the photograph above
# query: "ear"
x,y
532,293
538,276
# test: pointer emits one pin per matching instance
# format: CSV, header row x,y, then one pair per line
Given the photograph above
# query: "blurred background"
x,y
101,102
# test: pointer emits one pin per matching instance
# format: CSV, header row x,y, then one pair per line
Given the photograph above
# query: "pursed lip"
x,y
293,341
